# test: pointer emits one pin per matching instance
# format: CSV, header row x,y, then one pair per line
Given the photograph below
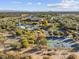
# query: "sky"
x,y
40,5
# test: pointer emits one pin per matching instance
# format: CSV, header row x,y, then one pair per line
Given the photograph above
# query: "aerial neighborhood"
x,y
39,36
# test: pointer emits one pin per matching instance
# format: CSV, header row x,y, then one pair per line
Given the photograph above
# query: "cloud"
x,y
29,3
53,5
65,4
39,3
16,2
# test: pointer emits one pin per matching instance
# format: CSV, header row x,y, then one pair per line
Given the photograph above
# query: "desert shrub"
x,y
45,23
45,57
2,38
18,32
16,45
24,57
43,42
12,56
31,41
24,42
72,56
32,57
34,23
2,56
9,56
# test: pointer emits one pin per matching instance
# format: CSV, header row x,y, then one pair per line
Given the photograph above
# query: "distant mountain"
x,y
8,11
62,12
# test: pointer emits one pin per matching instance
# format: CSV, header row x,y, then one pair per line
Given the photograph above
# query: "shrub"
x,y
45,57
2,38
43,42
72,56
16,45
31,41
18,32
24,42
9,56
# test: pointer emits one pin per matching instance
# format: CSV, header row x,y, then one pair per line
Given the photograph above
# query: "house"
x,y
21,26
36,19
60,42
27,26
